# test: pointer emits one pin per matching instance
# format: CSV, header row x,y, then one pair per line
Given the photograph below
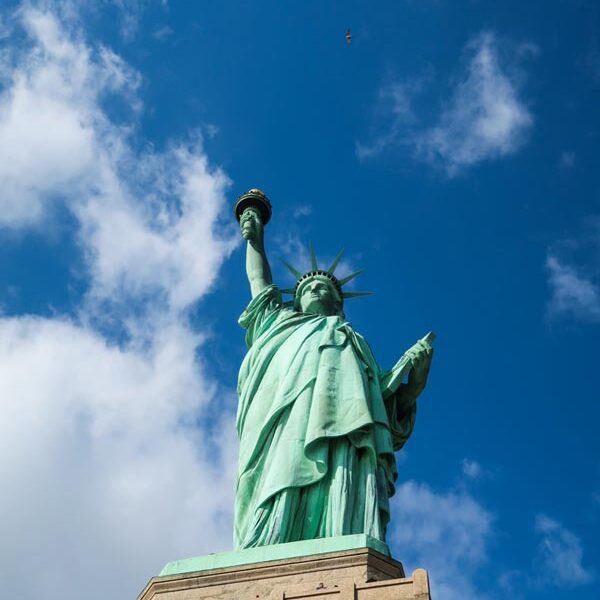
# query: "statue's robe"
x,y
317,440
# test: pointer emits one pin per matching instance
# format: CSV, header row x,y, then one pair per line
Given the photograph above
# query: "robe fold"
x,y
317,440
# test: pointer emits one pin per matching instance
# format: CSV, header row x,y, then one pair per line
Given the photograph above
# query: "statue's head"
x,y
318,295
319,291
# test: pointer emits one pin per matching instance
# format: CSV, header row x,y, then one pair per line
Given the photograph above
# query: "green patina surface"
x,y
274,552
318,419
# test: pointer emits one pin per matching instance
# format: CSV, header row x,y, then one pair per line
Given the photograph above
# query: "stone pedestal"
x,y
352,574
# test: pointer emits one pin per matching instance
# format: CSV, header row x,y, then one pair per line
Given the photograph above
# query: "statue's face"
x,y
317,297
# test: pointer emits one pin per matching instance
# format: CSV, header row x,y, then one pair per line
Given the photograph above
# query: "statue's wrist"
x,y
258,244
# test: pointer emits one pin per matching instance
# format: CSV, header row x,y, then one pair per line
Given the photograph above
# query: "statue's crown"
x,y
315,273
327,274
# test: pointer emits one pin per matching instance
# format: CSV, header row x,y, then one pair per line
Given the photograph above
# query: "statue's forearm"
x,y
257,268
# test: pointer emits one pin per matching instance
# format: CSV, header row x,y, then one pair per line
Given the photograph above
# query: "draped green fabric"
x,y
317,440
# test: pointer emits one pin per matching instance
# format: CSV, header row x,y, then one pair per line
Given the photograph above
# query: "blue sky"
x,y
451,149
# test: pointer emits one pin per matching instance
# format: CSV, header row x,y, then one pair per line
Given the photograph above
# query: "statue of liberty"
x,y
318,419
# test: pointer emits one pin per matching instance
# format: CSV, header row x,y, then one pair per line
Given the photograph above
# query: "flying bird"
x,y
348,36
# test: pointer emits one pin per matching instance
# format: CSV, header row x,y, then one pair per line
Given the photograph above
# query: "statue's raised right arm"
x,y
257,265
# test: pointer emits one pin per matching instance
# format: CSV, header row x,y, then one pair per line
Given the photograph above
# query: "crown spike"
x,y
313,258
350,277
292,270
335,263
347,295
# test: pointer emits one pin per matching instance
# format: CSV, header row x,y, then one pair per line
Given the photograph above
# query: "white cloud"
x,y
471,468
557,562
449,533
144,218
395,104
483,119
162,33
573,269
129,15
107,450
559,558
573,294
446,533
52,131
567,159
41,137
302,210
104,475
165,241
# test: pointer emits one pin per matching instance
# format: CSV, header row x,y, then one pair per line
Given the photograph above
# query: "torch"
x,y
257,200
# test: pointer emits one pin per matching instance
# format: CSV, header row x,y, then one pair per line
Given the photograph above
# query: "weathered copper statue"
x,y
318,420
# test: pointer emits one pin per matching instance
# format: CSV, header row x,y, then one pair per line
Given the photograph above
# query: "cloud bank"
x,y
112,430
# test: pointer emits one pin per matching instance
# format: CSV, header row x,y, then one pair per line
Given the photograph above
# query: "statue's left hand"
x,y
421,362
